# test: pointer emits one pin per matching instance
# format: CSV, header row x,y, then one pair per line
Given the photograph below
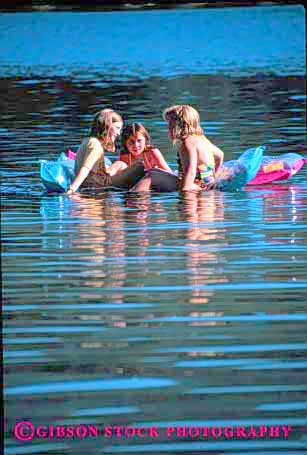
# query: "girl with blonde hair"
x,y
91,171
198,158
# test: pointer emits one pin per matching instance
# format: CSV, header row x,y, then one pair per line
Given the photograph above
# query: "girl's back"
x,y
203,149
88,145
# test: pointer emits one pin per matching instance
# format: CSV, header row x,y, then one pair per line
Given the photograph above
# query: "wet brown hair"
x,y
132,130
100,127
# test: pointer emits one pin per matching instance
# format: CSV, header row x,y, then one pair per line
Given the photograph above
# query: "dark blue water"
x,y
158,310
155,43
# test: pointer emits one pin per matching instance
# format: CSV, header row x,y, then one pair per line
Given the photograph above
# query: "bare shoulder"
x,y
206,141
94,144
190,141
93,141
155,151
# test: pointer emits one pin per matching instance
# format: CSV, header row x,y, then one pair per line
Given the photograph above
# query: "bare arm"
x,y
161,160
218,154
218,158
190,170
94,155
81,176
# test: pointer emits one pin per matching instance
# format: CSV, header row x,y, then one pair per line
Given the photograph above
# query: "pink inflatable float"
x,y
278,168
70,154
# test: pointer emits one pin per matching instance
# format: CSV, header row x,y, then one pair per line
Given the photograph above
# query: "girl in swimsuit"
x,y
91,171
136,147
198,158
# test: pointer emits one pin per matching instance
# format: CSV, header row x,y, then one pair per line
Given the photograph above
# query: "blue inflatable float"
x,y
57,175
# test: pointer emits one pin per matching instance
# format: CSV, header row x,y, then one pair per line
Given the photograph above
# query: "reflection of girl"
x,y
198,159
90,166
136,146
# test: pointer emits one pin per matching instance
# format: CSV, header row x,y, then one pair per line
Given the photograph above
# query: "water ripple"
x,y
91,386
106,411
243,364
247,389
36,448
239,348
207,446
292,406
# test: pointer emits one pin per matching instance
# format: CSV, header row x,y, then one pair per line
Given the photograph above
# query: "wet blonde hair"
x,y
101,125
185,119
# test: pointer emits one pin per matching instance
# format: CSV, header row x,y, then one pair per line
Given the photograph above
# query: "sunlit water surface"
x,y
155,310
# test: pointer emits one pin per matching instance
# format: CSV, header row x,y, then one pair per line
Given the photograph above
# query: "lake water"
x,y
157,310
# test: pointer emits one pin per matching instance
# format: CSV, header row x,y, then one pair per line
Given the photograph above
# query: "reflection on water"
x,y
159,309
181,296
